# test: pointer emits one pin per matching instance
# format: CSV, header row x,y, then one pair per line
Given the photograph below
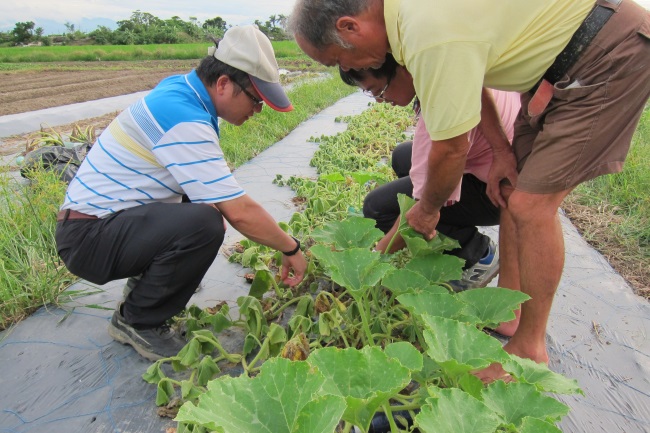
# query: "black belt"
x,y
69,214
580,40
543,90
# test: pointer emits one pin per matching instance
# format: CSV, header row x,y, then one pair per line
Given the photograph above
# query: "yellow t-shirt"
x,y
453,48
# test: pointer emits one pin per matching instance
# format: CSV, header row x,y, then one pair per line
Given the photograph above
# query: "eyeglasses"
x,y
380,96
256,101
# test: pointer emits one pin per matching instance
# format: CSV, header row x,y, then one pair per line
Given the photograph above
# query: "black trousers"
x,y
458,221
170,245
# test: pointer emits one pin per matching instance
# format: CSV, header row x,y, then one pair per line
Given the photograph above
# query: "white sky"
x,y
77,11
74,11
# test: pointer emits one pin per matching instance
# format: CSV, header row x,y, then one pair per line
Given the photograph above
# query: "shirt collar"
x,y
391,19
192,79
199,88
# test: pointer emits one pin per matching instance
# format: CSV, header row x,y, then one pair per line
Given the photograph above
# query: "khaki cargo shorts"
x,y
586,129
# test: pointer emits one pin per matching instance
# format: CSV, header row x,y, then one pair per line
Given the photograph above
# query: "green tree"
x,y
216,22
23,32
102,36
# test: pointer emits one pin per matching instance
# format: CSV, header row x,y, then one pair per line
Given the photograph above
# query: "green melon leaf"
x,y
455,411
286,397
492,305
437,268
515,401
442,305
356,269
459,347
406,354
206,371
534,425
354,232
402,281
528,371
366,378
332,177
361,177
262,283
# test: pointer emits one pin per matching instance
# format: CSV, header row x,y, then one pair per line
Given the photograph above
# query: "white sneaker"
x,y
481,273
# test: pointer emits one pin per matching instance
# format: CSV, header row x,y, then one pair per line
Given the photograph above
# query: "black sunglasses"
x,y
256,101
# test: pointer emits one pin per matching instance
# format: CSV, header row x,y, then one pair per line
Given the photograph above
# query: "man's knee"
x,y
527,207
212,223
370,209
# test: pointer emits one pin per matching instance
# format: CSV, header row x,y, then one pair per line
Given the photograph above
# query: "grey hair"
x,y
315,20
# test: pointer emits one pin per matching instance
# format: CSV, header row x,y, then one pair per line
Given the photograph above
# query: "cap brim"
x,y
273,94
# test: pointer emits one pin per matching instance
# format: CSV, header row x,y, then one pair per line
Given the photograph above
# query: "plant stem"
x,y
389,417
364,320
392,240
275,314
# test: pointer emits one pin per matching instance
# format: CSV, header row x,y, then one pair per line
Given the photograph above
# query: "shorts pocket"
x,y
571,90
644,29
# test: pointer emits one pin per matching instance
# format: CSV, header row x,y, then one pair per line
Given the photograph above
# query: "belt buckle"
x,y
540,99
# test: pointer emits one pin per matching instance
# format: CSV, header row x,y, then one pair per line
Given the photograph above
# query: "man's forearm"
x,y
446,163
251,220
491,125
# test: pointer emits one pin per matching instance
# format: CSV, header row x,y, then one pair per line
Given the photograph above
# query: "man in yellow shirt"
x,y
583,71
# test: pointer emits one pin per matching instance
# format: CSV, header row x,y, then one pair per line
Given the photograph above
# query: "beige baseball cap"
x,y
249,50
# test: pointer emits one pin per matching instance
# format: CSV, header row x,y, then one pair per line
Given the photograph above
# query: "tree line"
x,y
140,29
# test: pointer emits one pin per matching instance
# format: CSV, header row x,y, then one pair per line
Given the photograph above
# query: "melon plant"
x,y
366,334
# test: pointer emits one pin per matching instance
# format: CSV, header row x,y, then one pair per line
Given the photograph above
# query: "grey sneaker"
x,y
152,344
481,273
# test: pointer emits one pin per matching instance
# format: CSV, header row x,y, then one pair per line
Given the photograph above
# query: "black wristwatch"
x,y
293,251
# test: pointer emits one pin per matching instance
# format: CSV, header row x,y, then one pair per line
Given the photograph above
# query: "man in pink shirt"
x,y
458,219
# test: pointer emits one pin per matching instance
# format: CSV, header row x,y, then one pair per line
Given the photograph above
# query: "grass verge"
x,y
613,212
111,57
31,274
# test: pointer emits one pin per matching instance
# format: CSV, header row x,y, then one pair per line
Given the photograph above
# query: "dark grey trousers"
x,y
170,245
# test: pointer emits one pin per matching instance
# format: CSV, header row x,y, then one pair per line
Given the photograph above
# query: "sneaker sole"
x,y
121,337
489,278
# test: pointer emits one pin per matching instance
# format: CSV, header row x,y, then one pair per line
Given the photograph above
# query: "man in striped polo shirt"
x,y
123,215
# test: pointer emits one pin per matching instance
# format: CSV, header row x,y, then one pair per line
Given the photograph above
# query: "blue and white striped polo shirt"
x,y
163,146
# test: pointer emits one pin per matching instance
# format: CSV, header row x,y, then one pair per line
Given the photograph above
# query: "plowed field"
x,y
69,83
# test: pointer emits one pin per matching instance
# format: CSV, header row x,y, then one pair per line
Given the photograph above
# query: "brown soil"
x,y
72,82
69,83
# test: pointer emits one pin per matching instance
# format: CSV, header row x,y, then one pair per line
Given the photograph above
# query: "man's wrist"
x,y
295,250
428,207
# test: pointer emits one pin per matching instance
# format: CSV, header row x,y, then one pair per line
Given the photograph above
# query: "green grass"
x,y
31,274
626,194
244,142
91,53
30,271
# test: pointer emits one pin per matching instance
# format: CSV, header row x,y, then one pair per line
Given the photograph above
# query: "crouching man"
x,y
123,216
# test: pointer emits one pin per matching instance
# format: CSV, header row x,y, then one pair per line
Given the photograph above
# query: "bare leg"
x,y
540,247
509,265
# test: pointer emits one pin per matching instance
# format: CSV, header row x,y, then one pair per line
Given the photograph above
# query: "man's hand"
x,y
295,263
422,221
504,166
